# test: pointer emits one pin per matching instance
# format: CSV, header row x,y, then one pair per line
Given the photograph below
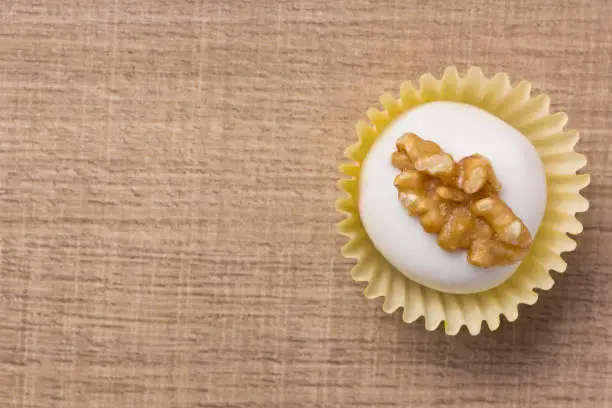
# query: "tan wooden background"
x,y
167,178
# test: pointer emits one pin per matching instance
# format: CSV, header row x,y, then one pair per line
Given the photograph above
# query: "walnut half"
x,y
460,202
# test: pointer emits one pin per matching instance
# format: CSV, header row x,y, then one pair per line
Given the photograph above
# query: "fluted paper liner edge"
x,y
531,116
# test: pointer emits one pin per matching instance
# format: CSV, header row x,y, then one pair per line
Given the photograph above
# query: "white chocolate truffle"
x,y
460,130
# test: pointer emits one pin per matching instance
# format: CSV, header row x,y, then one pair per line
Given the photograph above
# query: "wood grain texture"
x,y
166,204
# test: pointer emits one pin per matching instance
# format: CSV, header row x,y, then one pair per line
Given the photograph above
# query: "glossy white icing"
x,y
460,130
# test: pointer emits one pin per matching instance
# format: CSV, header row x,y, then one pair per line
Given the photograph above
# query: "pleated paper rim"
x,y
532,117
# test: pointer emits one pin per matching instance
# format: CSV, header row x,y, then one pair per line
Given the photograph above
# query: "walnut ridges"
x,y
460,202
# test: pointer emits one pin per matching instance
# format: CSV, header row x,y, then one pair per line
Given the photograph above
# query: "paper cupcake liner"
x,y
529,115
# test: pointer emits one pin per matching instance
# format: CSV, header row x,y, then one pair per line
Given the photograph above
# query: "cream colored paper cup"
x,y
529,115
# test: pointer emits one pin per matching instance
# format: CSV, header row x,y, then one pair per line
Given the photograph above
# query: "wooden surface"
x,y
167,182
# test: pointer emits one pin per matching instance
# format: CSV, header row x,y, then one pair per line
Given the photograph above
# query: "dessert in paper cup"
x,y
458,199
